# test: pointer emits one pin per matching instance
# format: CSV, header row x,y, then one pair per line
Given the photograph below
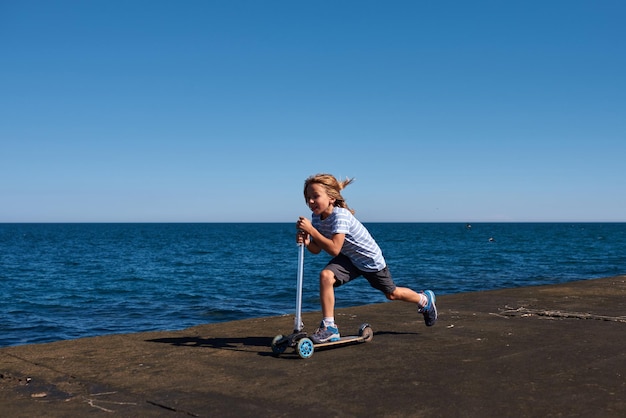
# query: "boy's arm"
x,y
312,246
332,246
317,241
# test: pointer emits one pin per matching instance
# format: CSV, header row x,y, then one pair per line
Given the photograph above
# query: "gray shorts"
x,y
345,271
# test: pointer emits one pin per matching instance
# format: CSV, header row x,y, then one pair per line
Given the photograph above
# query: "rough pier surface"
x,y
555,350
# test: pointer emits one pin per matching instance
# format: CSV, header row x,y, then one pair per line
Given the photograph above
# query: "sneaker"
x,y
325,334
430,310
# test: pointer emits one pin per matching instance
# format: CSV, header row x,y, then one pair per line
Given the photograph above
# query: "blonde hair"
x,y
332,186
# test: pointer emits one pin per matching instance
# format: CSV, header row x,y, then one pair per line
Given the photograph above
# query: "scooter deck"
x,y
305,347
349,339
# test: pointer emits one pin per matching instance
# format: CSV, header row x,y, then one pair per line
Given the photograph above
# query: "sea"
x,y
66,281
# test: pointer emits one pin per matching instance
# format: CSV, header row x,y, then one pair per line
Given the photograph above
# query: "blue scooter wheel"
x,y
305,348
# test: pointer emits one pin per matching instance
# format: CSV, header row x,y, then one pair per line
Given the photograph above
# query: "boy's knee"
x,y
393,295
327,277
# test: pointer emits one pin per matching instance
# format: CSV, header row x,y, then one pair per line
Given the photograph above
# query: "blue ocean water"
x,y
65,281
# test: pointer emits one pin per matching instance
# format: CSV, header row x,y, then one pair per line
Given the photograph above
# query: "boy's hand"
x,y
302,236
304,224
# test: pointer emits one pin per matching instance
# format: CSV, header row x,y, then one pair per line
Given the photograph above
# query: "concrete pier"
x,y
545,351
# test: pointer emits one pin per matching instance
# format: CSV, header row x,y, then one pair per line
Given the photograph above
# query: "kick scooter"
x,y
299,340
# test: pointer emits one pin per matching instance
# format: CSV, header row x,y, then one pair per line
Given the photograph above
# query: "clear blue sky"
x,y
213,111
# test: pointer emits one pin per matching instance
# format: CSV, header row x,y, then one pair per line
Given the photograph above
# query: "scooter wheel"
x,y
366,332
278,346
305,348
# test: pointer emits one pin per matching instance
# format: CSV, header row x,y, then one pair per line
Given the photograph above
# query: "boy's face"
x,y
318,200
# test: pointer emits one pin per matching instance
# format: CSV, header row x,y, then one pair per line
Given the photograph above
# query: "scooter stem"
x,y
298,325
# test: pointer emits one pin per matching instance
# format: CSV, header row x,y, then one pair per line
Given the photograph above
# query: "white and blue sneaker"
x,y
325,334
430,310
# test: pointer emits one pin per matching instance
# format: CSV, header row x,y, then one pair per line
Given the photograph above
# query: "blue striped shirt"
x,y
359,246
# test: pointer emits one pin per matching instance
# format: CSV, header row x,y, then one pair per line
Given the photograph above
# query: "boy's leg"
x,y
327,332
338,271
425,301
327,293
407,295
